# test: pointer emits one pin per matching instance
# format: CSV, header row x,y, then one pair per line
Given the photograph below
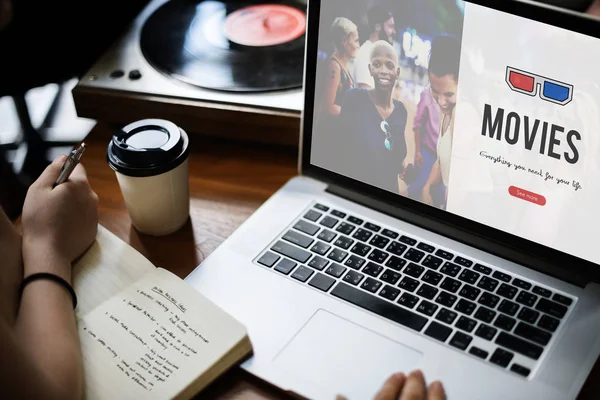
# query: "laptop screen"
x,y
480,113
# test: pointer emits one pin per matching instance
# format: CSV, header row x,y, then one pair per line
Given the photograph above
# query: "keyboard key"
x,y
361,249
397,248
465,306
378,256
520,370
362,234
327,235
483,269
469,292
548,323
476,351
345,228
337,255
389,292
306,227
484,314
354,220
463,261
427,308
552,308
528,315
338,214
320,248
379,306
450,269
446,299
372,269
427,291
432,277
501,358
488,284
268,259
413,270
291,251
562,299
312,215
532,333
390,276
390,234
446,316
321,207
432,262
322,282
396,263
450,285
502,276
379,241
469,276
409,284
519,345
521,284
438,331
329,221
372,285
335,270
414,255
460,340
466,324
407,240
373,227
354,262
508,307
444,254
489,300
526,298
298,239
343,242
318,263
353,277
504,322
486,332
426,247
285,266
408,300
302,273
507,291
542,292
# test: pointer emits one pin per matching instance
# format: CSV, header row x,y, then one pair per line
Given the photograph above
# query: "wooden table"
x,y
228,182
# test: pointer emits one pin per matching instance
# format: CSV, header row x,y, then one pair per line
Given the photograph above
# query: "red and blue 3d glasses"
x,y
527,83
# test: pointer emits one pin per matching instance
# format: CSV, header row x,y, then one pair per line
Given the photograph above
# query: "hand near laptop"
x,y
413,387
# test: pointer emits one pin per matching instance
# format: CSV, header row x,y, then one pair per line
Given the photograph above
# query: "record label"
x,y
265,25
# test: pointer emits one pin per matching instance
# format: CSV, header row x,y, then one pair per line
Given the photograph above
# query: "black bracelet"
x,y
52,277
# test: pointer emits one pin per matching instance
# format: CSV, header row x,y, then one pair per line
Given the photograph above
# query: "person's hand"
x,y
426,195
413,387
418,160
60,222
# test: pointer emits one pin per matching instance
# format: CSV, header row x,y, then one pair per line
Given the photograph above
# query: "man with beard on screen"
x,y
382,25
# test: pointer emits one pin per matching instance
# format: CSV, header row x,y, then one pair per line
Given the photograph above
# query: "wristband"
x,y
52,277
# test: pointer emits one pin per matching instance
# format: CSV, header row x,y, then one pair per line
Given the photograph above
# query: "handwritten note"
x,y
159,334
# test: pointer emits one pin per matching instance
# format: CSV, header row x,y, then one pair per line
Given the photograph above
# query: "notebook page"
x,y
153,339
108,267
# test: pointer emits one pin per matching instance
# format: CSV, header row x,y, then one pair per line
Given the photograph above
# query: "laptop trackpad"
x,y
335,353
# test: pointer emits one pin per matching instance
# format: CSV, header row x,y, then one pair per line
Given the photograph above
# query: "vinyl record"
x,y
241,46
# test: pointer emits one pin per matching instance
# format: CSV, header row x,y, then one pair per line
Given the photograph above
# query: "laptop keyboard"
x,y
489,314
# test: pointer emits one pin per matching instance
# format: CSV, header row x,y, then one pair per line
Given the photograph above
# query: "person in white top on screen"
x,y
382,25
443,81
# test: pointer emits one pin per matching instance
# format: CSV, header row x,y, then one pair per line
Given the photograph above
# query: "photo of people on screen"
x,y
387,79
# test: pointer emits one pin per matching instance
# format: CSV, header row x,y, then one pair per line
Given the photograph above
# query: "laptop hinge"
x,y
455,233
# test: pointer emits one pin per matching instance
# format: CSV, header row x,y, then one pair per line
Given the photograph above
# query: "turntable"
x,y
224,68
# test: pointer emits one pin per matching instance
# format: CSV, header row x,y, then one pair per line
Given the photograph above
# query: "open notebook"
x,y
144,332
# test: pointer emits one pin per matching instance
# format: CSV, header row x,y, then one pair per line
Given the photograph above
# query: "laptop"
x,y
345,275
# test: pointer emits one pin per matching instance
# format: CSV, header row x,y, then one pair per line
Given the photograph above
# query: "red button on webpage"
x,y
527,195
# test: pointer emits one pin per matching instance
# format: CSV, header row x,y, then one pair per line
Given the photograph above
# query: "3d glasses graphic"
x,y
527,83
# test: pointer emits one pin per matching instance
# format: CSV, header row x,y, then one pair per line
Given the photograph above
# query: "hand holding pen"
x,y
70,164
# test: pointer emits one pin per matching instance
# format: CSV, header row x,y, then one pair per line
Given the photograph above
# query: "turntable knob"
x,y
135,74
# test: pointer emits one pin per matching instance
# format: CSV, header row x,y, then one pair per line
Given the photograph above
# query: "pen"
x,y
70,164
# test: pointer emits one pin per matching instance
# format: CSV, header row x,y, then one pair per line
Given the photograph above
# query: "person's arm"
x,y
58,225
418,123
331,84
11,269
435,176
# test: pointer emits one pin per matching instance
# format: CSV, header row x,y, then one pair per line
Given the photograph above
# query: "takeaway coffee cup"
x,y
150,159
